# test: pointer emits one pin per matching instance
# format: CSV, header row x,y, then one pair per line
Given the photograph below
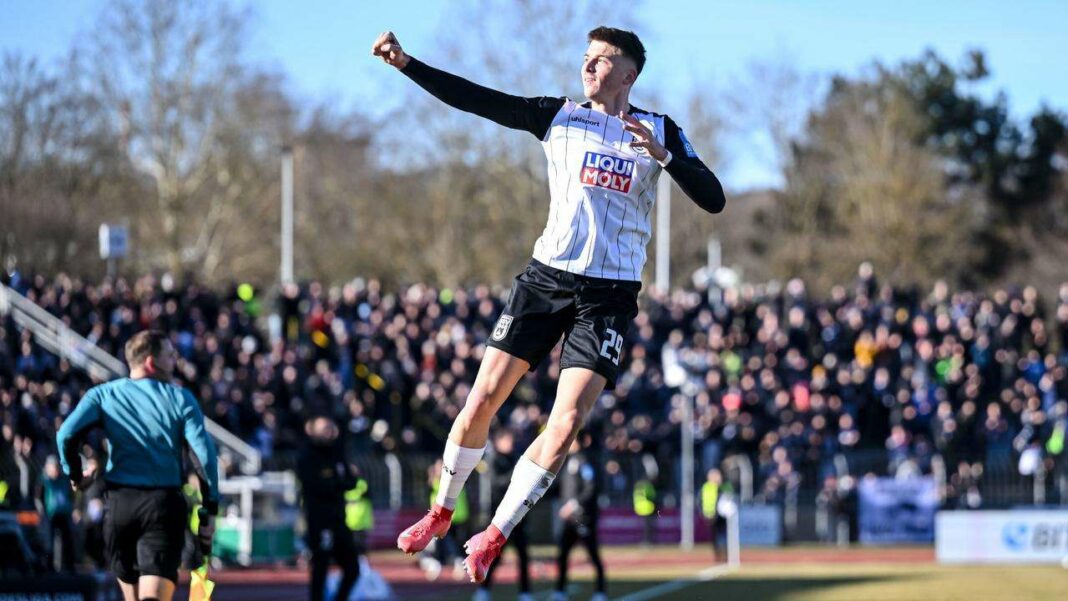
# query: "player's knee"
x,y
564,426
479,406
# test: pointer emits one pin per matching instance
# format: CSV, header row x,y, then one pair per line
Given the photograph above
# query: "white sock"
x,y
529,483
456,465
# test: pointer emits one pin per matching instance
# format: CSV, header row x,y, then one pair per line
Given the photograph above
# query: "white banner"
x,y
1024,536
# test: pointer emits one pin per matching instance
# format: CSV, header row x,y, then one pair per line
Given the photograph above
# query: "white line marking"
x,y
705,575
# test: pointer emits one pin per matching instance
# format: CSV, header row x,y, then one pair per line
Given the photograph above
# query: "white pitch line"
x,y
705,575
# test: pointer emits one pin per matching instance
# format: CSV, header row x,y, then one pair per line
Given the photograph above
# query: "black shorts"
x,y
144,530
592,314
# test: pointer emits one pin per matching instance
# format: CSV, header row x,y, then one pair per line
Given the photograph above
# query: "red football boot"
x,y
482,550
434,524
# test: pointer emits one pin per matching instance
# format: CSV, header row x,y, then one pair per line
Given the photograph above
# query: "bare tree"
x,y
172,77
56,166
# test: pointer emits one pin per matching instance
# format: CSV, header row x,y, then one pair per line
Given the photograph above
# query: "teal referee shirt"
x,y
147,423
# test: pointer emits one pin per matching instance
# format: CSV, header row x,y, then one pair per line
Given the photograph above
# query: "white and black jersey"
x,y
601,190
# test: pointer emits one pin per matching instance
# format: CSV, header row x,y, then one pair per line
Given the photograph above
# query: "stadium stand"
x,y
805,393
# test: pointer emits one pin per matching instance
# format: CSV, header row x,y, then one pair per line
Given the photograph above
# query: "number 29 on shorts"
x,y
612,346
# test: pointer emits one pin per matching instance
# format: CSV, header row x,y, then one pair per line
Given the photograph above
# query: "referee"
x,y
148,422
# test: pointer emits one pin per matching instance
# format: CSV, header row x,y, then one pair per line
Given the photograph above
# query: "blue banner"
x,y
897,511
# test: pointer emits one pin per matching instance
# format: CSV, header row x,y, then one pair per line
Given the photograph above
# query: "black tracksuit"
x,y
324,477
578,481
501,467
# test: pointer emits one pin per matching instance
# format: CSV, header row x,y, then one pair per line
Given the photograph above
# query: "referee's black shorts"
x,y
144,530
592,314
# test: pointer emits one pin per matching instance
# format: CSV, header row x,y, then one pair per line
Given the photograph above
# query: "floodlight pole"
x,y
686,506
286,271
663,234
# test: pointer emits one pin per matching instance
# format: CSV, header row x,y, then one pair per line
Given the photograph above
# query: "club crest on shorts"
x,y
503,324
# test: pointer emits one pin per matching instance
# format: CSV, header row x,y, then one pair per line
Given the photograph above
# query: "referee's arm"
x,y
87,413
203,455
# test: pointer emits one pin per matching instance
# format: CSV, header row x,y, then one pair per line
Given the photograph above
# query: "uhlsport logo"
x,y
502,327
1014,535
607,171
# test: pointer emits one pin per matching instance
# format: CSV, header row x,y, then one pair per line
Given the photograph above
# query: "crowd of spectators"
x,y
797,383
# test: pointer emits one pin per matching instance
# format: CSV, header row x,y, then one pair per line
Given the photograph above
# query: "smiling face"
x,y
606,71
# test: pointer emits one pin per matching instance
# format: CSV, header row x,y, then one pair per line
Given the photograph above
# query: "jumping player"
x,y
604,156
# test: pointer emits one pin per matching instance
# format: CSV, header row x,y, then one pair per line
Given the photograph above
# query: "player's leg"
x,y
576,394
530,325
159,549
129,590
497,376
577,390
156,588
120,542
589,363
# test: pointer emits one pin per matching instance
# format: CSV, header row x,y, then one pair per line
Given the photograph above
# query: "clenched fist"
x,y
390,50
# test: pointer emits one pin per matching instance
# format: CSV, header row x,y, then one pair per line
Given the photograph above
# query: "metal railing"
x,y
56,337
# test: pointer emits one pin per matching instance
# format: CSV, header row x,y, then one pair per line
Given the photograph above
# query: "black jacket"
x,y
578,481
324,477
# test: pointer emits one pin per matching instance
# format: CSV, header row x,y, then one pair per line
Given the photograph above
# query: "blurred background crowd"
x,y
811,392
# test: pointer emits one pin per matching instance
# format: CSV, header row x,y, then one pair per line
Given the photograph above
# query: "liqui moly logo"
x,y
607,171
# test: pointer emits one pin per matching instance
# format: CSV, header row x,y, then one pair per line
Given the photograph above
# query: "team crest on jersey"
x,y
607,171
503,324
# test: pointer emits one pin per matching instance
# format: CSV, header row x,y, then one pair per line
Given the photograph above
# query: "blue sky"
x,y
323,46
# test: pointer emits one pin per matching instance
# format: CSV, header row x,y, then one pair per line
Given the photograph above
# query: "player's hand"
x,y
390,50
644,140
206,531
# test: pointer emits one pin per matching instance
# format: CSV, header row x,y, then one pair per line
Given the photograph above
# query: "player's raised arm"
x,y
516,112
681,161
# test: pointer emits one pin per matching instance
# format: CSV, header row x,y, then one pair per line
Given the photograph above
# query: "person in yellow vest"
x,y
359,513
446,548
709,499
645,506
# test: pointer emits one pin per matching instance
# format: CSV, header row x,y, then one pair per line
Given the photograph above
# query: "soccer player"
x,y
148,422
604,156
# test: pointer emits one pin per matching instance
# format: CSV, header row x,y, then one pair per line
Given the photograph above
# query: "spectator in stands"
x,y
866,369
56,497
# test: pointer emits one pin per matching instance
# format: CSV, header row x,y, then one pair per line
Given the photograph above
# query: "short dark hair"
x,y
143,345
627,42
